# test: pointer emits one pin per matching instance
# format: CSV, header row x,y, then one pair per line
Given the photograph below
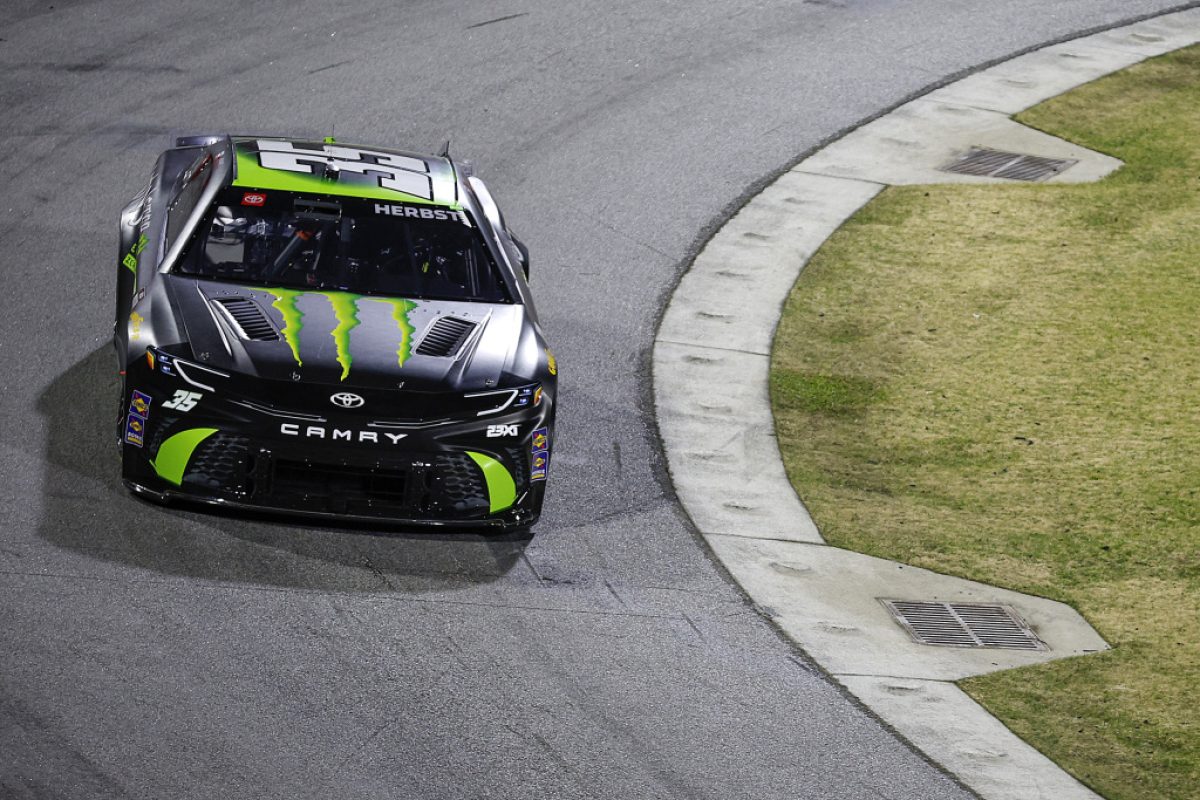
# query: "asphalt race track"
x,y
162,653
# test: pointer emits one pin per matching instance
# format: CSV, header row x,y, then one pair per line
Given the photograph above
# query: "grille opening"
x,y
249,318
445,337
221,462
964,625
436,485
443,486
343,489
988,163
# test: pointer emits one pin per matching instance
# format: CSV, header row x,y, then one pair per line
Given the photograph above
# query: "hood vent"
x,y
445,337
248,318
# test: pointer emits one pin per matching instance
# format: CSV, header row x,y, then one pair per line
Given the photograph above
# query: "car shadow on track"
x,y
88,510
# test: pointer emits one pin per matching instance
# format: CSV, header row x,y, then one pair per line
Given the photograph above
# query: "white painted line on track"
x,y
711,366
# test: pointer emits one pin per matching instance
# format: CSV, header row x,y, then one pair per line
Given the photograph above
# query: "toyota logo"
x,y
346,400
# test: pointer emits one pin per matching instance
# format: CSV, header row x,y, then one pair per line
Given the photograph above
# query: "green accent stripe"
x,y
175,453
502,491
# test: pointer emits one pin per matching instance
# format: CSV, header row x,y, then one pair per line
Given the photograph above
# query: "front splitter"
x,y
512,520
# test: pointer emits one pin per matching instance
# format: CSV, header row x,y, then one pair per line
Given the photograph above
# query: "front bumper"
x,y
223,450
516,517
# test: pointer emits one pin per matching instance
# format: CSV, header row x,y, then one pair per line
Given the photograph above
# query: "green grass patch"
x,y
1003,383
823,394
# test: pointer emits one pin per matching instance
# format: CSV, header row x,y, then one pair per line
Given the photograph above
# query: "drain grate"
x,y
964,625
1015,166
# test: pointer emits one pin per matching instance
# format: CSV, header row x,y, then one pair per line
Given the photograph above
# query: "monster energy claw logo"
x,y
345,310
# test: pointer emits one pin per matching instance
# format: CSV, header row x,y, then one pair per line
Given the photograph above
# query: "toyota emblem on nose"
x,y
346,400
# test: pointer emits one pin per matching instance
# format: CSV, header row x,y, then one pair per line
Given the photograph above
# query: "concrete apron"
x,y
711,361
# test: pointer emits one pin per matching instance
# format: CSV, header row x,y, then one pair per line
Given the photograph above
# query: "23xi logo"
x,y
494,431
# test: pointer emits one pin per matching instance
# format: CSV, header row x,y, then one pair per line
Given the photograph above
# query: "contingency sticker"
x,y
130,261
140,404
135,429
540,461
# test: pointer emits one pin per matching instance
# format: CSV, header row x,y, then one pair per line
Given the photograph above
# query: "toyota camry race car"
x,y
325,329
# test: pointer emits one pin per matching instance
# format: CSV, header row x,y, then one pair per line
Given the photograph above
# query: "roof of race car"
x,y
334,168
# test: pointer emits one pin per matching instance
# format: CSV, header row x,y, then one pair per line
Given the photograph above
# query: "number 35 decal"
x,y
183,400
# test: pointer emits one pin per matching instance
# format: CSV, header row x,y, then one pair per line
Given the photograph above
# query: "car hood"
x,y
345,339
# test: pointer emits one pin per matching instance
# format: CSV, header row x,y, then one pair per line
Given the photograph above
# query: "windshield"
x,y
361,246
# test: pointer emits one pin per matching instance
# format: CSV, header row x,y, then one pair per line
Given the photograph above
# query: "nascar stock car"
x,y
324,329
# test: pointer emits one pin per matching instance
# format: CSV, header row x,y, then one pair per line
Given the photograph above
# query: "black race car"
x,y
325,329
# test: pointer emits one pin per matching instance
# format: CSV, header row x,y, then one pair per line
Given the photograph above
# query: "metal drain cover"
x,y
989,163
964,625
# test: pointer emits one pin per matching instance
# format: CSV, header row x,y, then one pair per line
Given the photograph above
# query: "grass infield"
x,y
1003,383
